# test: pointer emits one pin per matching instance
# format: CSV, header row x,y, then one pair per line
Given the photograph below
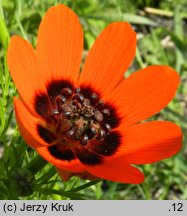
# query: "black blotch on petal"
x,y
110,144
60,152
55,87
45,134
88,157
41,104
87,91
113,120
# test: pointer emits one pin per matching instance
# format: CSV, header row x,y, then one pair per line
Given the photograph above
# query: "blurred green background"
x,y
161,27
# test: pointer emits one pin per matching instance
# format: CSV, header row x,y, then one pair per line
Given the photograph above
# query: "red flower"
x,y
89,123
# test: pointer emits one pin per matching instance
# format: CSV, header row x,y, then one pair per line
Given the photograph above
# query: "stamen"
x,y
101,134
98,116
108,127
67,113
101,102
81,118
94,96
70,133
60,99
77,90
79,97
106,112
86,102
85,140
54,112
93,132
66,92
66,109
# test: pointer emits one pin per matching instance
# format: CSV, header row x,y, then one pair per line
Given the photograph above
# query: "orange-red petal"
x,y
66,175
150,142
27,125
25,70
60,44
109,57
144,93
73,165
118,171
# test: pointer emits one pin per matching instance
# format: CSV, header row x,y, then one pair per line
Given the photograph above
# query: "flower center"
x,y
76,123
80,118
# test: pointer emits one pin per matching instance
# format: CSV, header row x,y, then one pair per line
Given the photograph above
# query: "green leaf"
x,y
134,19
85,186
67,194
4,35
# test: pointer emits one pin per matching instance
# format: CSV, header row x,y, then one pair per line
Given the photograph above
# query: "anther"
x,y
86,102
66,110
55,112
66,92
93,132
60,99
67,113
77,90
106,112
101,102
94,96
79,97
98,116
101,134
70,133
85,140
108,127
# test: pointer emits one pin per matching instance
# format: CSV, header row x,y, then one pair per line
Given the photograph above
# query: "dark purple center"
x,y
77,115
81,118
